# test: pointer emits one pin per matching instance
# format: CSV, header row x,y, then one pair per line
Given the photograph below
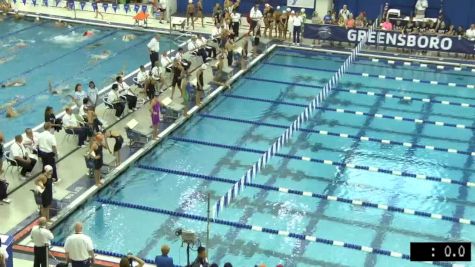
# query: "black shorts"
x,y
176,82
119,141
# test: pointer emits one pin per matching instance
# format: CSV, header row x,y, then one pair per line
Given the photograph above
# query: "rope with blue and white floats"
x,y
348,136
405,174
325,197
283,233
86,5
232,193
358,113
388,61
379,76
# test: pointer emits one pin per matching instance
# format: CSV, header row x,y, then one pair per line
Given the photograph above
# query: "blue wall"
x,y
457,12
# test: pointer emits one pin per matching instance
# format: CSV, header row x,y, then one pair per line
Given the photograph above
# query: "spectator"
x,y
166,62
350,22
190,14
387,25
201,260
344,13
119,141
125,91
451,31
113,97
51,118
41,238
154,49
163,260
47,149
97,153
20,154
92,93
83,109
200,84
470,33
327,19
72,126
297,28
155,114
217,12
30,140
255,16
79,248
127,261
142,75
79,94
460,31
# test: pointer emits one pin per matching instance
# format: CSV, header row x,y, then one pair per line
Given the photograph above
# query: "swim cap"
x,y
48,168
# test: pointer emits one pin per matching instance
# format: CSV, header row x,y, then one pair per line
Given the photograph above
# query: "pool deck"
x,y
75,186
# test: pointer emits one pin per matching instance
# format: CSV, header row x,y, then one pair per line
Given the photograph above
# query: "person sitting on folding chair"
x,y
124,90
20,154
113,97
73,126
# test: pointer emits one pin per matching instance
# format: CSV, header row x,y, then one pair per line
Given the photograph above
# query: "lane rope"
x,y
256,228
358,113
396,78
334,163
347,136
284,190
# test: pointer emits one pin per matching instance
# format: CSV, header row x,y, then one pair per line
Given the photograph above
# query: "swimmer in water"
x,y
88,33
15,83
95,45
11,113
60,24
4,60
128,37
104,55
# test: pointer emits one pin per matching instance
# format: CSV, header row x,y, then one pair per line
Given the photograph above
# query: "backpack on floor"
x,y
3,189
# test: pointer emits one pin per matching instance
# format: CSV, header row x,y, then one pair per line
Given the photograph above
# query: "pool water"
x,y
271,93
39,52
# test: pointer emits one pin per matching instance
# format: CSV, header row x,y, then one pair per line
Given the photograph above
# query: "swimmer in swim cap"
x,y
15,83
88,33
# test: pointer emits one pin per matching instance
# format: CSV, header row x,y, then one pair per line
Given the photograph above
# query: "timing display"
x,y
444,251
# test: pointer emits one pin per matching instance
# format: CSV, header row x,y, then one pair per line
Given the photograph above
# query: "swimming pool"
x,y
401,145
39,52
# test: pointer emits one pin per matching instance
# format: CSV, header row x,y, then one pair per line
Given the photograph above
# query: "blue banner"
x,y
71,4
105,6
434,42
144,9
114,7
82,4
94,6
126,8
24,2
136,8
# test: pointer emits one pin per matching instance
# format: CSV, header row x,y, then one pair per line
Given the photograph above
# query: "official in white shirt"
x,y
142,76
79,248
236,21
47,149
345,13
166,62
256,16
20,154
297,28
30,140
72,126
197,48
41,238
216,33
113,97
124,90
211,50
154,49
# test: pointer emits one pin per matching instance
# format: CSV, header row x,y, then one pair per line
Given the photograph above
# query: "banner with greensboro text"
x,y
391,38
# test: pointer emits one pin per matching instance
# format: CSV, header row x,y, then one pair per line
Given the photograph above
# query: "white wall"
x,y
322,6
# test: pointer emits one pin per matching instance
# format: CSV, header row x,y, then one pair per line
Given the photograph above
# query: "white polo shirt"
x,y
41,236
18,150
255,14
69,121
27,142
46,141
156,71
165,61
78,247
113,96
142,76
192,45
154,45
124,89
297,21
236,17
